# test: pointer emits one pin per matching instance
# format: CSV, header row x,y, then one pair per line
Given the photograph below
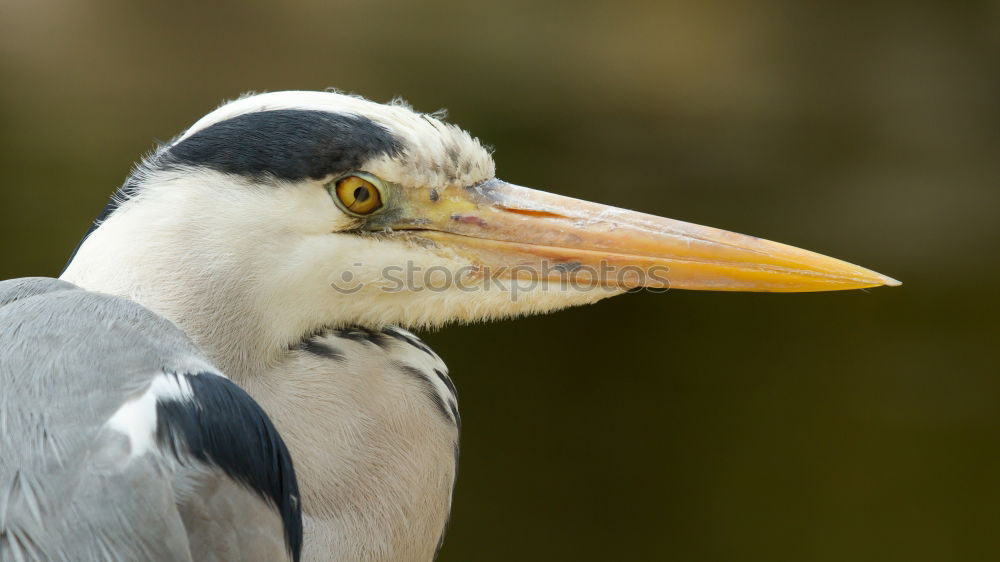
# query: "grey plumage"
x,y
70,361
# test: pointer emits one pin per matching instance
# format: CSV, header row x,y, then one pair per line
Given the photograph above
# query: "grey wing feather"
x,y
106,452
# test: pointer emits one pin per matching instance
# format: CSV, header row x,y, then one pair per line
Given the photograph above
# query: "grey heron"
x,y
270,259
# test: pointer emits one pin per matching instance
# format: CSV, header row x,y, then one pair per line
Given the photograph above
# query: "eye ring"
x,y
358,193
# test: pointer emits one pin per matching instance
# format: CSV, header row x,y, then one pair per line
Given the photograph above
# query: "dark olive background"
x,y
682,426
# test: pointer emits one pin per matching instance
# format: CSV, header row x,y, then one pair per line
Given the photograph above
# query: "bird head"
x,y
322,209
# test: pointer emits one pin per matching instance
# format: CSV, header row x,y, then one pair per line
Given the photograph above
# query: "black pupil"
x,y
361,194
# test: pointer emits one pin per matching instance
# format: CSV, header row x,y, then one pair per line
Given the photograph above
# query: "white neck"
x,y
247,269
374,456
189,253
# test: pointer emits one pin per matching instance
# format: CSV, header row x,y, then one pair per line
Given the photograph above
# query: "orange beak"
x,y
517,232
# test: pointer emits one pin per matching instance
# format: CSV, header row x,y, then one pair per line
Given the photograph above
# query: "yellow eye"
x,y
358,195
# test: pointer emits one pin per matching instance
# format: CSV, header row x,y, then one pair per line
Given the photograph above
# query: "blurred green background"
x,y
681,426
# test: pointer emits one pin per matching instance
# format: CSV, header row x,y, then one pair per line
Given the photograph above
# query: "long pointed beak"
x,y
520,232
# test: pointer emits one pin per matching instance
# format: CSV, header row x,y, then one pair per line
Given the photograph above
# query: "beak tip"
x,y
890,282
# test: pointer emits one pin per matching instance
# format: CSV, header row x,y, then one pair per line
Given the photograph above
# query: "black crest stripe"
x,y
222,426
290,144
